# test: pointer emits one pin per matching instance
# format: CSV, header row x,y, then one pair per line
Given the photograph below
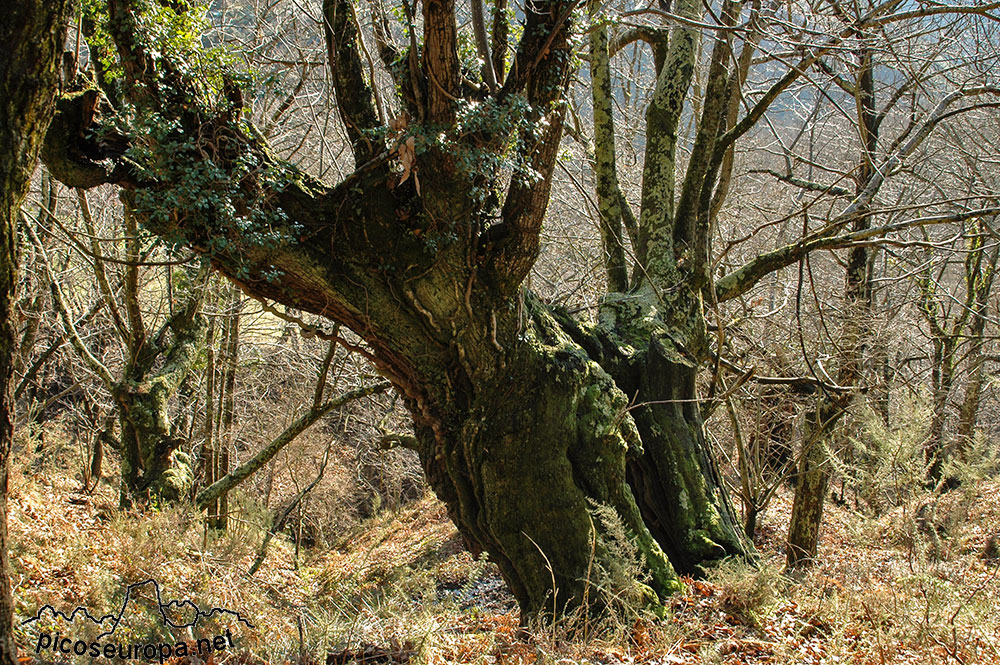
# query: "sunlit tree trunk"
x,y
32,33
522,414
525,418
227,405
949,335
207,455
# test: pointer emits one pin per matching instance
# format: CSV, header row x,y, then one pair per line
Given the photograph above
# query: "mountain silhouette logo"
x,y
173,614
113,620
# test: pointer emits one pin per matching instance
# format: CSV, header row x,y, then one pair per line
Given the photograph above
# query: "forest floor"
x,y
917,584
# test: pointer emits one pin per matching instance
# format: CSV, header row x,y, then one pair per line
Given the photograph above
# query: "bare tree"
x,y
951,333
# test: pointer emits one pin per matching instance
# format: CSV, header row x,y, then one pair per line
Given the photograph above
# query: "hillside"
x,y
912,586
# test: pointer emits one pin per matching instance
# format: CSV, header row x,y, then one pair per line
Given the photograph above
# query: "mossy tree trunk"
x,y
526,419
654,323
675,480
980,274
156,364
952,337
152,465
32,33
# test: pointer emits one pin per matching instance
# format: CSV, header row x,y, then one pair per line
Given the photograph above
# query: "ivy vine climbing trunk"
x,y
32,32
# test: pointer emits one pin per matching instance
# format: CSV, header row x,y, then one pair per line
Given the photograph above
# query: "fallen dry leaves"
x,y
872,599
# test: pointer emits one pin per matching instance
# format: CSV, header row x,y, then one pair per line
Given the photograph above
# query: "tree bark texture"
x,y
819,434
526,420
32,33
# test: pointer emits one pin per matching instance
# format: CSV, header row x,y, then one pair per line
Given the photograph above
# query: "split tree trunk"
x,y
549,437
522,416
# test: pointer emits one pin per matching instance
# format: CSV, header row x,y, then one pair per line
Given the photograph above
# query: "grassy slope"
x,y
908,587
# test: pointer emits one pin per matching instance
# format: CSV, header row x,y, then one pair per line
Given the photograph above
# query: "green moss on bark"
x,y
152,466
540,466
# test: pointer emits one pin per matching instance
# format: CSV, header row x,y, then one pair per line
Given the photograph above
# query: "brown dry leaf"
x,y
408,158
400,122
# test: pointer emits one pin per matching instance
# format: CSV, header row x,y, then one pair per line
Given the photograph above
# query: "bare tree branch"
x,y
248,468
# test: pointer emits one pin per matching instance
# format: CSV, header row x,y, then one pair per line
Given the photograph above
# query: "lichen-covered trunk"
x,y
652,346
32,33
152,465
979,283
807,513
550,445
942,378
523,416
532,469
676,481
653,330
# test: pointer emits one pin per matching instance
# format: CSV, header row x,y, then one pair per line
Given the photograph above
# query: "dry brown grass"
x,y
906,587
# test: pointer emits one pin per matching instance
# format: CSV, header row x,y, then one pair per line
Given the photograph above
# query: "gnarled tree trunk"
x,y
546,433
156,365
523,416
152,466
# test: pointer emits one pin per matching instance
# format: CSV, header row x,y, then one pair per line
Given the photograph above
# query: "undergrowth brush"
x,y
913,584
